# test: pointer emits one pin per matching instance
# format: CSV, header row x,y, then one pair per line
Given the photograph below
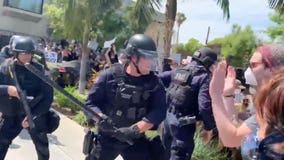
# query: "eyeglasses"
x,y
254,64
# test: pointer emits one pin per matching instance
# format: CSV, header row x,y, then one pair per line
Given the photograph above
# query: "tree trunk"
x,y
177,34
85,57
171,10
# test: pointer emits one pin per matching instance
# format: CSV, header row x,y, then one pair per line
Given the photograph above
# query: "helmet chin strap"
x,y
136,66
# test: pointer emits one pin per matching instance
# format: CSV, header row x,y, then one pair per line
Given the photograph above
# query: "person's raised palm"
x,y
230,81
218,80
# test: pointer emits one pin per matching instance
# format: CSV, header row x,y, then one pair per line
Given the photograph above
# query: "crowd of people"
x,y
243,108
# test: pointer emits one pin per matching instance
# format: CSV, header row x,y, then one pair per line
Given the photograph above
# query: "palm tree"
x,y
180,19
171,9
278,5
80,16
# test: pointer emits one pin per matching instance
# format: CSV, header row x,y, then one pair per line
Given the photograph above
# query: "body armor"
x,y
130,101
30,84
180,92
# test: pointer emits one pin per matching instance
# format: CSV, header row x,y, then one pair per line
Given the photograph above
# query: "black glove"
x,y
106,124
124,134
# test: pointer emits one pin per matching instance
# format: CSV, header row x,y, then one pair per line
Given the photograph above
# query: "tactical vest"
x,y
10,105
130,102
180,92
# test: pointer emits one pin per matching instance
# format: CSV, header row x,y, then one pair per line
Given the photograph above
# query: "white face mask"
x,y
250,78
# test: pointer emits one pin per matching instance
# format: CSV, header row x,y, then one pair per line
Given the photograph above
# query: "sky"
x,y
203,13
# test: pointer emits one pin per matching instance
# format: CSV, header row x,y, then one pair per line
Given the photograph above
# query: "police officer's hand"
x,y
25,123
12,91
125,133
105,124
206,136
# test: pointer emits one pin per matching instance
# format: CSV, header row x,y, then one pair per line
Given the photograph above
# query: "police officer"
x,y
189,100
39,96
133,98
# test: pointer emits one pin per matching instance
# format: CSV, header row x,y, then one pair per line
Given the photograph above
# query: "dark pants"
x,y
178,140
10,128
109,148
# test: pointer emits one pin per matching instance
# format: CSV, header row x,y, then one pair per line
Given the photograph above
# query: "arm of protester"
x,y
230,135
113,48
229,94
107,56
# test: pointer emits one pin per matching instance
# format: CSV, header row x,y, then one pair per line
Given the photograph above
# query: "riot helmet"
x,y
141,45
22,44
205,56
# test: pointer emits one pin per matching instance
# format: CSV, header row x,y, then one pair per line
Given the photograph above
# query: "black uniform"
x,y
126,100
189,100
39,96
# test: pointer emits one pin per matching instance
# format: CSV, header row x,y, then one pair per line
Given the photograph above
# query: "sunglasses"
x,y
254,64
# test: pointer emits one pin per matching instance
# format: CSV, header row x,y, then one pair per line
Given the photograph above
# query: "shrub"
x,y
209,151
80,118
63,101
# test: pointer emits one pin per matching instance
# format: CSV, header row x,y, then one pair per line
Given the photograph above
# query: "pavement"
x,y
65,143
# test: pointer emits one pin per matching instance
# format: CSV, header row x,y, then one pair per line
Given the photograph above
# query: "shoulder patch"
x,y
181,75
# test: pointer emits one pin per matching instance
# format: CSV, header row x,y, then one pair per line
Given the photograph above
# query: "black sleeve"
x,y
98,92
204,103
166,78
158,106
44,105
3,82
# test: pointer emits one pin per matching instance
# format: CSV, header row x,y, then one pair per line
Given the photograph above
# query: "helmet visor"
x,y
148,53
148,64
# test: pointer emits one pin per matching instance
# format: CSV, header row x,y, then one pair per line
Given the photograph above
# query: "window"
x,y
34,6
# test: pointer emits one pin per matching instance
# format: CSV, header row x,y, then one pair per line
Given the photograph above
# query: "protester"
x,y
263,62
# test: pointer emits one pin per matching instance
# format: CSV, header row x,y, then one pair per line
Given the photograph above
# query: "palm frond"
x,y
278,5
275,3
225,6
144,10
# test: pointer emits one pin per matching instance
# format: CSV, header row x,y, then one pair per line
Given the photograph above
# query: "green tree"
x,y
55,13
81,19
142,13
239,44
276,32
189,48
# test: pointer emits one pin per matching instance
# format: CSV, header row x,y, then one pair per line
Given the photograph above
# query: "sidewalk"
x,y
65,143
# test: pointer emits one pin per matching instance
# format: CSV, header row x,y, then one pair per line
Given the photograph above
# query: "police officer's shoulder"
x,y
116,68
38,65
4,67
199,69
104,75
155,79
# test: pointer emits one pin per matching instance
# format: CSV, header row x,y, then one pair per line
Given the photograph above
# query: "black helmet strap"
x,y
135,64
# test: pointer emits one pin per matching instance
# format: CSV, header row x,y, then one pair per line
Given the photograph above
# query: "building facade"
x,y
21,17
